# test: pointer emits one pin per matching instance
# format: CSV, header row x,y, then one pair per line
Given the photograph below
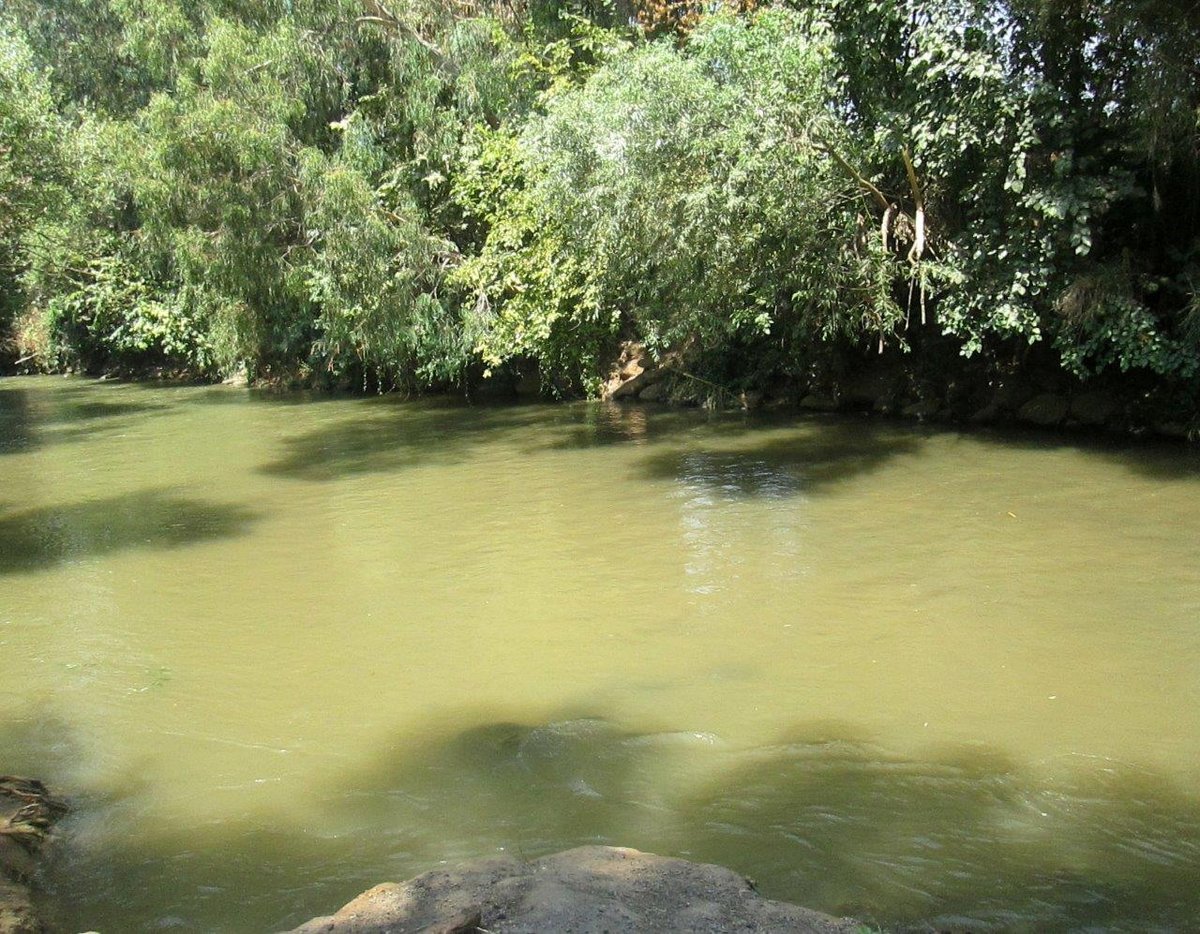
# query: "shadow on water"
x,y
824,817
382,435
960,837
36,742
672,444
814,457
774,454
732,454
1154,458
31,418
31,539
378,434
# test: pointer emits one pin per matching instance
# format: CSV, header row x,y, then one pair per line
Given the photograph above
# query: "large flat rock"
x,y
588,890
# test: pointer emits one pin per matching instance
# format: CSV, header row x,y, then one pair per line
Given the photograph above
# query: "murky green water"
x,y
280,649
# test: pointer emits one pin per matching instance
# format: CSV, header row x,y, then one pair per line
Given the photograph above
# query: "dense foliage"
x,y
405,194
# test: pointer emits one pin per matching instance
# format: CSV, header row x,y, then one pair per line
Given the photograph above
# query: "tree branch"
x,y
918,247
880,198
380,15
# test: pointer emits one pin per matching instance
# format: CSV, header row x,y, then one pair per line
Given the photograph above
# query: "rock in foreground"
x,y
590,889
27,812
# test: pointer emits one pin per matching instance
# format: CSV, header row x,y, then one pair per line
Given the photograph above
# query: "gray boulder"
x,y
1046,409
586,891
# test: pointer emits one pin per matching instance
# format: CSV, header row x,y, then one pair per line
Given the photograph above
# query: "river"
x,y
278,648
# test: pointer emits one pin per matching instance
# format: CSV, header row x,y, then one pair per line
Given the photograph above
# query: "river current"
x,y
279,648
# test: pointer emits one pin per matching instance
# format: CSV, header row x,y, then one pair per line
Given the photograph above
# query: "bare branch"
x,y
865,183
379,15
918,247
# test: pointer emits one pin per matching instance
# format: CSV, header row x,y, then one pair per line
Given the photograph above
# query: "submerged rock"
x,y
1047,409
814,402
1095,408
922,409
589,889
655,392
873,386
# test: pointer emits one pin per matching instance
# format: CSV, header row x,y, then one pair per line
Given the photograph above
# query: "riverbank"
x,y
932,385
887,387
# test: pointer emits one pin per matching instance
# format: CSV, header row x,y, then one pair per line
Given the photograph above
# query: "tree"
x,y
32,162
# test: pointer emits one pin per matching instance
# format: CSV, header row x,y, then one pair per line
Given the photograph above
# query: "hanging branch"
x,y
865,183
892,213
380,15
918,247
889,207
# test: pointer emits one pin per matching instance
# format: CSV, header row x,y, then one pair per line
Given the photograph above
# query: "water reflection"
x,y
749,459
712,493
612,423
16,421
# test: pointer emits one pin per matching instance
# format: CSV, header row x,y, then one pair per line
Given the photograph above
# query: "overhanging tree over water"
x,y
397,193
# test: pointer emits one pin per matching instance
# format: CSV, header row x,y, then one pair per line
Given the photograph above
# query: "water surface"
x,y
281,648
